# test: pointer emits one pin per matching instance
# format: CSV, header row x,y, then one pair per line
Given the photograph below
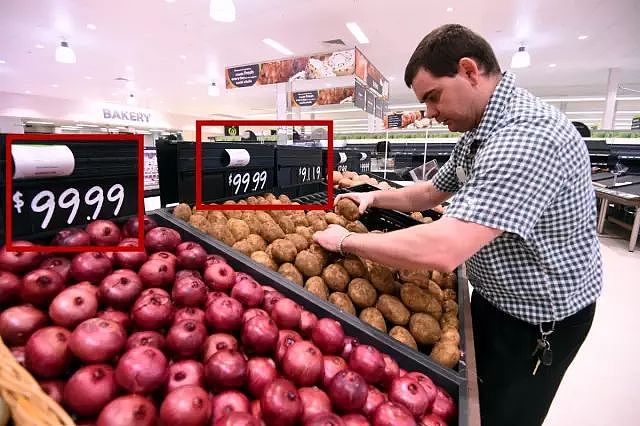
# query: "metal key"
x,y
540,345
547,355
535,369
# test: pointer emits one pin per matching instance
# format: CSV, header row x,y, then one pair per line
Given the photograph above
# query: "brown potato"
x,y
337,176
374,318
322,254
417,216
257,242
300,221
253,223
244,247
199,222
269,251
417,277
319,225
427,220
450,294
382,278
316,213
438,277
242,202
424,328
419,300
350,175
216,216
252,200
284,199
355,267
342,301
270,197
403,335
291,273
446,354
287,225
393,310
317,286
305,232
357,226
239,229
450,335
450,306
308,263
182,211
264,259
450,280
435,290
362,293
221,232
336,277
333,218
284,251
271,231
263,216
232,214
347,208
450,320
298,240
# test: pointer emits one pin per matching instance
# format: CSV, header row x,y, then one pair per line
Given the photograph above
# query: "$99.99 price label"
x,y
239,183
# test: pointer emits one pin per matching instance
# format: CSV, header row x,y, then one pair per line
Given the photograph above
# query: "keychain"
x,y
543,351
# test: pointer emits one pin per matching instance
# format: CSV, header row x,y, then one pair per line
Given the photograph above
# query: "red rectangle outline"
x,y
74,137
198,166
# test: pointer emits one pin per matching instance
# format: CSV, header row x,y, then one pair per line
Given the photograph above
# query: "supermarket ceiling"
x,y
171,49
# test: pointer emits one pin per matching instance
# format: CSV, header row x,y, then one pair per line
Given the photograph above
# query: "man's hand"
x,y
364,200
330,237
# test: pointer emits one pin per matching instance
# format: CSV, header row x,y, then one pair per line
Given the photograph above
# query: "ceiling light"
x,y
357,32
222,10
189,83
280,48
131,99
170,1
183,57
449,9
2,61
64,54
193,98
213,90
88,77
552,65
87,125
520,59
128,68
40,122
28,92
39,46
55,85
91,27
583,37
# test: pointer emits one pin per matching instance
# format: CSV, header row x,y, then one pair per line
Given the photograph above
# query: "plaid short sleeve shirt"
x,y
526,170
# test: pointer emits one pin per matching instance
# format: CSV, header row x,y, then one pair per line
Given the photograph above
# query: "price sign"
x,y
239,183
365,166
306,174
342,168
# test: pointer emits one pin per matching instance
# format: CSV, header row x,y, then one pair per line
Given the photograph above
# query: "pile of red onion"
x,y
174,336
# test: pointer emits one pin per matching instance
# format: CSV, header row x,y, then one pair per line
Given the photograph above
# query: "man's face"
x,y
449,100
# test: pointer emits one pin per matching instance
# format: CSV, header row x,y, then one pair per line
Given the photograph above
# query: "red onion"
x,y
131,228
10,286
189,292
392,414
444,406
185,339
103,233
19,261
60,264
165,256
185,373
308,321
238,419
281,404
267,288
97,340
248,292
348,391
162,239
324,419
349,344
130,259
259,335
374,399
53,388
18,354
188,273
186,406
270,300
226,369
18,323
256,410
241,276
403,372
229,402
212,259
157,273
432,420
314,401
220,277
211,296
90,389
152,312
331,365
368,362
253,312
355,420
260,372
302,364
391,371
146,338
427,384
408,392
286,339
71,237
191,255
47,354
217,342
328,336
286,314
189,313
120,317
224,314
86,286
41,286
120,289
154,292
128,410
90,266
72,306
142,369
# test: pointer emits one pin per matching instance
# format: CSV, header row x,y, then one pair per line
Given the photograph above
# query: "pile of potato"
x,y
348,179
418,308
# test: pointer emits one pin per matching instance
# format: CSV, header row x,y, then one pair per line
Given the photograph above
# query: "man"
x,y
522,216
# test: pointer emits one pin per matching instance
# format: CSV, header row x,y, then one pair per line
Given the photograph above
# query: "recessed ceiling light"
x,y
88,77
170,1
189,83
91,27
39,46
552,65
183,57
583,37
280,48
28,92
2,61
54,85
449,9
193,98
128,68
357,32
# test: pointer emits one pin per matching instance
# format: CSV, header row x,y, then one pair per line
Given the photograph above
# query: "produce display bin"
x,y
299,170
343,160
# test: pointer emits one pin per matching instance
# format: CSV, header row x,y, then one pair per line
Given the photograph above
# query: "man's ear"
x,y
468,69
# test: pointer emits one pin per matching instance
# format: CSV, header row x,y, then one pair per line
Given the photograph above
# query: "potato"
x,y
298,240
450,335
354,267
221,232
450,320
322,254
403,335
427,220
316,214
308,263
350,175
284,199
345,183
393,310
242,202
270,197
362,178
257,242
287,225
317,286
450,306
446,354
337,176
357,226
269,251
333,218
305,232
419,300
425,329
382,278
252,200
435,291
319,225
417,216
450,280
343,302
374,318
283,251
263,216
252,222
182,211
438,277
347,208
362,293
417,277
291,273
264,259
238,228
244,247
271,231
300,221
199,222
232,214
450,294
216,216
336,277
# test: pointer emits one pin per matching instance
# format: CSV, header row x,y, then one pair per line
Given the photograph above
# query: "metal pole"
x,y
386,153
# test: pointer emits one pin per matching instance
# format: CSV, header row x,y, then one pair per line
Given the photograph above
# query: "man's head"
x,y
454,72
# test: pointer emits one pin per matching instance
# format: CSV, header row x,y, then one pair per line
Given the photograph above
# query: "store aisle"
x,y
601,386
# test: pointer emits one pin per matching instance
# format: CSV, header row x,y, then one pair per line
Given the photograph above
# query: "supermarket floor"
x,y
601,386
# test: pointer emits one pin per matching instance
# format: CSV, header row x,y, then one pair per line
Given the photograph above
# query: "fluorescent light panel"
x,y
279,47
357,32
39,122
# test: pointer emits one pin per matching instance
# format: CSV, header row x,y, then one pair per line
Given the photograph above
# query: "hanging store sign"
x,y
371,76
333,96
407,120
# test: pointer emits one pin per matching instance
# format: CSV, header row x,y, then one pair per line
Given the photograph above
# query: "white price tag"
x,y
40,161
342,157
238,157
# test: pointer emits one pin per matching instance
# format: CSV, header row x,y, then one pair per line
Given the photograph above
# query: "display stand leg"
x,y
634,230
386,153
604,205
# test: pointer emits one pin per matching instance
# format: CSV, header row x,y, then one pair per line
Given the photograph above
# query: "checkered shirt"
x,y
526,170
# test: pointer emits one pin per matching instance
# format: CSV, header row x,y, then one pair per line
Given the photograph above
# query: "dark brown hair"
x,y
441,50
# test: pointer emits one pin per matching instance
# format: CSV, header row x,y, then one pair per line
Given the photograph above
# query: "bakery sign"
x,y
332,96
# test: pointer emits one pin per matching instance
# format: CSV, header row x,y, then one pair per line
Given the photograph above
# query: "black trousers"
x,y
509,394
